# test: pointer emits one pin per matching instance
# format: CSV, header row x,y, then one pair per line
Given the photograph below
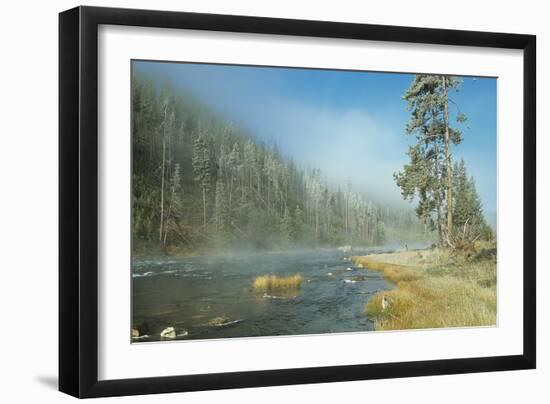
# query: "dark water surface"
x,y
212,297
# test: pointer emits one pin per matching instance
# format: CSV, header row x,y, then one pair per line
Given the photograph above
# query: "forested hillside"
x,y
200,182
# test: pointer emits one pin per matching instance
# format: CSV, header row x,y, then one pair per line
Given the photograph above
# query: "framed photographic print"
x,y
251,201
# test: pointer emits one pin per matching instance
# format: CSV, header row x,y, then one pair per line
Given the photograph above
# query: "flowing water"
x,y
212,297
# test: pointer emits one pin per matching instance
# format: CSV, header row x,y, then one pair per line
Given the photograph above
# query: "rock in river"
x,y
223,321
168,333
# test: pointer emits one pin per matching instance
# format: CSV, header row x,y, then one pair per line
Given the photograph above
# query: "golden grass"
x,y
393,272
434,290
273,282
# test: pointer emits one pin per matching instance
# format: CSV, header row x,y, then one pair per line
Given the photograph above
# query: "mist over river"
x,y
212,296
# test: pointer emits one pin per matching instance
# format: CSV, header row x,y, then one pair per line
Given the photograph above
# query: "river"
x,y
212,297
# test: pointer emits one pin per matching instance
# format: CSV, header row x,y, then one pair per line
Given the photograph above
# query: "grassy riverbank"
x,y
434,289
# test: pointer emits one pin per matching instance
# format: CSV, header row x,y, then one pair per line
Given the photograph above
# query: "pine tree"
x,y
418,179
468,209
298,223
461,211
286,228
467,205
429,173
167,128
221,216
380,234
174,203
250,163
451,136
234,168
202,170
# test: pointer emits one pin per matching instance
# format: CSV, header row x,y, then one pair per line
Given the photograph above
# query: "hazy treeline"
x,y
199,182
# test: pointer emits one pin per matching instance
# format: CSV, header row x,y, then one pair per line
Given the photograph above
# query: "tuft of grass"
x,y
273,282
434,290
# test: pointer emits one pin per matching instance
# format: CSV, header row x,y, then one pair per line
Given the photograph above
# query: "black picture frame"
x,y
78,201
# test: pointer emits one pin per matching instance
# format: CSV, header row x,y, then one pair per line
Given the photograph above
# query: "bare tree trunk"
x,y
231,181
162,176
169,213
316,220
243,180
346,213
268,196
448,163
204,207
439,217
166,226
437,199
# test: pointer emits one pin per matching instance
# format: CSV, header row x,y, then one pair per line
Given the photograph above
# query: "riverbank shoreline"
x,y
433,289
151,253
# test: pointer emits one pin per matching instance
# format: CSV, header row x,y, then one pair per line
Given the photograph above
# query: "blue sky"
x,y
349,124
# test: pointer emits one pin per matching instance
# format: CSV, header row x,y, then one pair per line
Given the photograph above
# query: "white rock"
x,y
386,302
168,333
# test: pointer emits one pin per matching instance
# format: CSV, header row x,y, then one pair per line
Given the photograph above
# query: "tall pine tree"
x,y
428,175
